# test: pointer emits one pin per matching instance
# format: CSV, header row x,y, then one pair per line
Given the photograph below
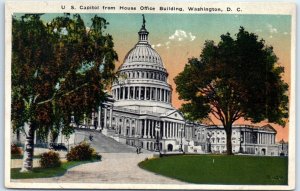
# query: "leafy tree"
x,y
59,69
233,79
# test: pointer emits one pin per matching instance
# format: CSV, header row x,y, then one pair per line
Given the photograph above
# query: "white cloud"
x,y
157,45
180,35
272,29
167,44
285,33
192,37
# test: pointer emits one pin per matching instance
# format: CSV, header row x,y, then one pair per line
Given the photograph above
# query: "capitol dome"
x,y
142,83
143,53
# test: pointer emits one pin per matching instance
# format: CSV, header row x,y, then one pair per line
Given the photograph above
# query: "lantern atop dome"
x,y
143,33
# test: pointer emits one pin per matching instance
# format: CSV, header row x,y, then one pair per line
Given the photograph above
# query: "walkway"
x,y
114,168
119,165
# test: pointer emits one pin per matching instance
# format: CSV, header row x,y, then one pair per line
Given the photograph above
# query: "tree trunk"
x,y
28,148
228,131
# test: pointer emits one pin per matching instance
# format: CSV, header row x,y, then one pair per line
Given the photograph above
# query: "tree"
x,y
237,78
59,69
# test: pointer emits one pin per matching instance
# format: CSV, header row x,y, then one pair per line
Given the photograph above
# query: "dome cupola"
x,y
143,78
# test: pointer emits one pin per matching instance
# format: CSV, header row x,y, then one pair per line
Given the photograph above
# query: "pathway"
x,y
119,165
114,168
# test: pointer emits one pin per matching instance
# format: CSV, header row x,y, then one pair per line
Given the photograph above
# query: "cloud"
x,y
156,45
285,33
167,44
180,35
272,29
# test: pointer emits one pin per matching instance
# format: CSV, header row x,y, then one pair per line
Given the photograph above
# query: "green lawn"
x,y
221,169
46,172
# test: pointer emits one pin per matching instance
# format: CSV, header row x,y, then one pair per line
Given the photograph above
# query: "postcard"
x,y
150,95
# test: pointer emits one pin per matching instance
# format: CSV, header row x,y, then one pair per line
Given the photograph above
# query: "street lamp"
x,y
181,131
157,149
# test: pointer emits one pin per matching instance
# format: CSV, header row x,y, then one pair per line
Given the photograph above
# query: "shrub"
x,y
15,150
96,156
50,159
81,152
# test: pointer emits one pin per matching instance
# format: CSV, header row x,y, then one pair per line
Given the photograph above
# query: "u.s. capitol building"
x,y
139,113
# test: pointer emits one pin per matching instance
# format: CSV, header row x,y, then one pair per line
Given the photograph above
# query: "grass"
x,y
46,172
221,169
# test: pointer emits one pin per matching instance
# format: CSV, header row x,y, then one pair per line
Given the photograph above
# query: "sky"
x,y
177,37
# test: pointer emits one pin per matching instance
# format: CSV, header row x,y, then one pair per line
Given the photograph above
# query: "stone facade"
x,y
246,139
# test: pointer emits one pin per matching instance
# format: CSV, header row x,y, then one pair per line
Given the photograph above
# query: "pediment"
x,y
173,114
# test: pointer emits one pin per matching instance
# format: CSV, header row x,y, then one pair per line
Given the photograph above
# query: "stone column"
x,y
166,92
99,117
117,125
145,93
139,93
164,129
145,128
130,129
165,96
140,124
118,91
176,126
123,90
110,116
150,92
128,92
105,117
173,130
134,93
155,96
168,129
153,129
160,97
125,127
149,128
